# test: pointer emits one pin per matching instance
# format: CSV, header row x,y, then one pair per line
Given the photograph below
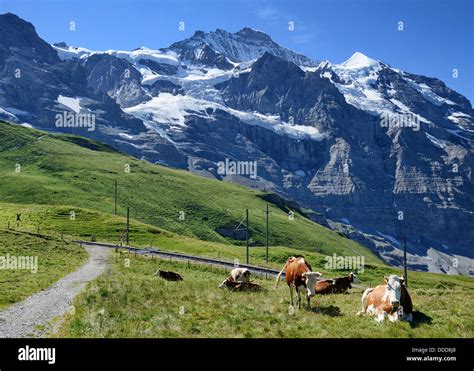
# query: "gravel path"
x,y
22,319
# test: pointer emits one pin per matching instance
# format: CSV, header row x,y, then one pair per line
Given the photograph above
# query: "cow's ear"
x,y
385,279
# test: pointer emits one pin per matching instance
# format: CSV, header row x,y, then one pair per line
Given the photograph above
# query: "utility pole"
x,y
128,224
405,260
247,233
266,214
115,196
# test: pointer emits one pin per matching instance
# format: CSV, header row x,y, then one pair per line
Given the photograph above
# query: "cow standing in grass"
x,y
390,300
299,276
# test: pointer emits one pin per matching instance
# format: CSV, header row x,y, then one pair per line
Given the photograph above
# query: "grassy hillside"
x,y
90,225
64,190
73,172
55,259
132,302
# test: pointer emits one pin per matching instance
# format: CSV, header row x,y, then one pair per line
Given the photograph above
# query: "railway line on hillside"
x,y
185,257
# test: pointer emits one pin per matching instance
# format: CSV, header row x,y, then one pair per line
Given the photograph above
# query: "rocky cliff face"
x,y
379,153
36,85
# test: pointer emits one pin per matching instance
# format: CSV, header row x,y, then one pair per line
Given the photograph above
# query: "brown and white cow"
x,y
299,276
389,300
237,275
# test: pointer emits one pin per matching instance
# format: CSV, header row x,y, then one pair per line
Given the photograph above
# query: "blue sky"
x,y
438,35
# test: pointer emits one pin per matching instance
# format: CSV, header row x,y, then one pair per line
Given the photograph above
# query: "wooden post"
x,y
247,233
266,256
405,260
128,225
115,197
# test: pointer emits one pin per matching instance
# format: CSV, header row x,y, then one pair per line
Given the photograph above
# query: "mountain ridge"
x,y
358,142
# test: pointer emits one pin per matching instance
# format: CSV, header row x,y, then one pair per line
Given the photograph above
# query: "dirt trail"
x,y
21,319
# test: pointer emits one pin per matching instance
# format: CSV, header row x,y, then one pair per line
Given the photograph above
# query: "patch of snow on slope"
x,y
134,56
389,238
195,83
456,132
274,123
127,136
169,109
10,111
462,119
72,103
428,94
437,142
8,114
406,110
400,105
71,52
172,110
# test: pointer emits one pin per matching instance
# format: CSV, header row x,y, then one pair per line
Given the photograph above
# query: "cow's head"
x,y
394,289
245,273
354,278
310,279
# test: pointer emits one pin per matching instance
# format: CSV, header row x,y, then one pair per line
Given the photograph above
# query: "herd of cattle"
x,y
389,300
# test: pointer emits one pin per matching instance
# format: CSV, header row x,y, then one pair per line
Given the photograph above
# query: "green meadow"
x,y
132,302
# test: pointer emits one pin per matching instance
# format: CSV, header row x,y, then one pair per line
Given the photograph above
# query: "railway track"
x,y
185,257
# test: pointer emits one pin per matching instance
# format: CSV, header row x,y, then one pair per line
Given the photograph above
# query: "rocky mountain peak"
x,y
20,34
273,64
253,34
243,46
199,34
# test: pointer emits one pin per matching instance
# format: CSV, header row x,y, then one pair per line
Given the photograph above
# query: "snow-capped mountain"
x,y
359,142
224,49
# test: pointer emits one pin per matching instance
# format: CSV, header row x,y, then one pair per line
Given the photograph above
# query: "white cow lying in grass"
x,y
390,300
237,275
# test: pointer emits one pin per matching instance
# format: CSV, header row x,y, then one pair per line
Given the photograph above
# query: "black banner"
x,y
63,353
